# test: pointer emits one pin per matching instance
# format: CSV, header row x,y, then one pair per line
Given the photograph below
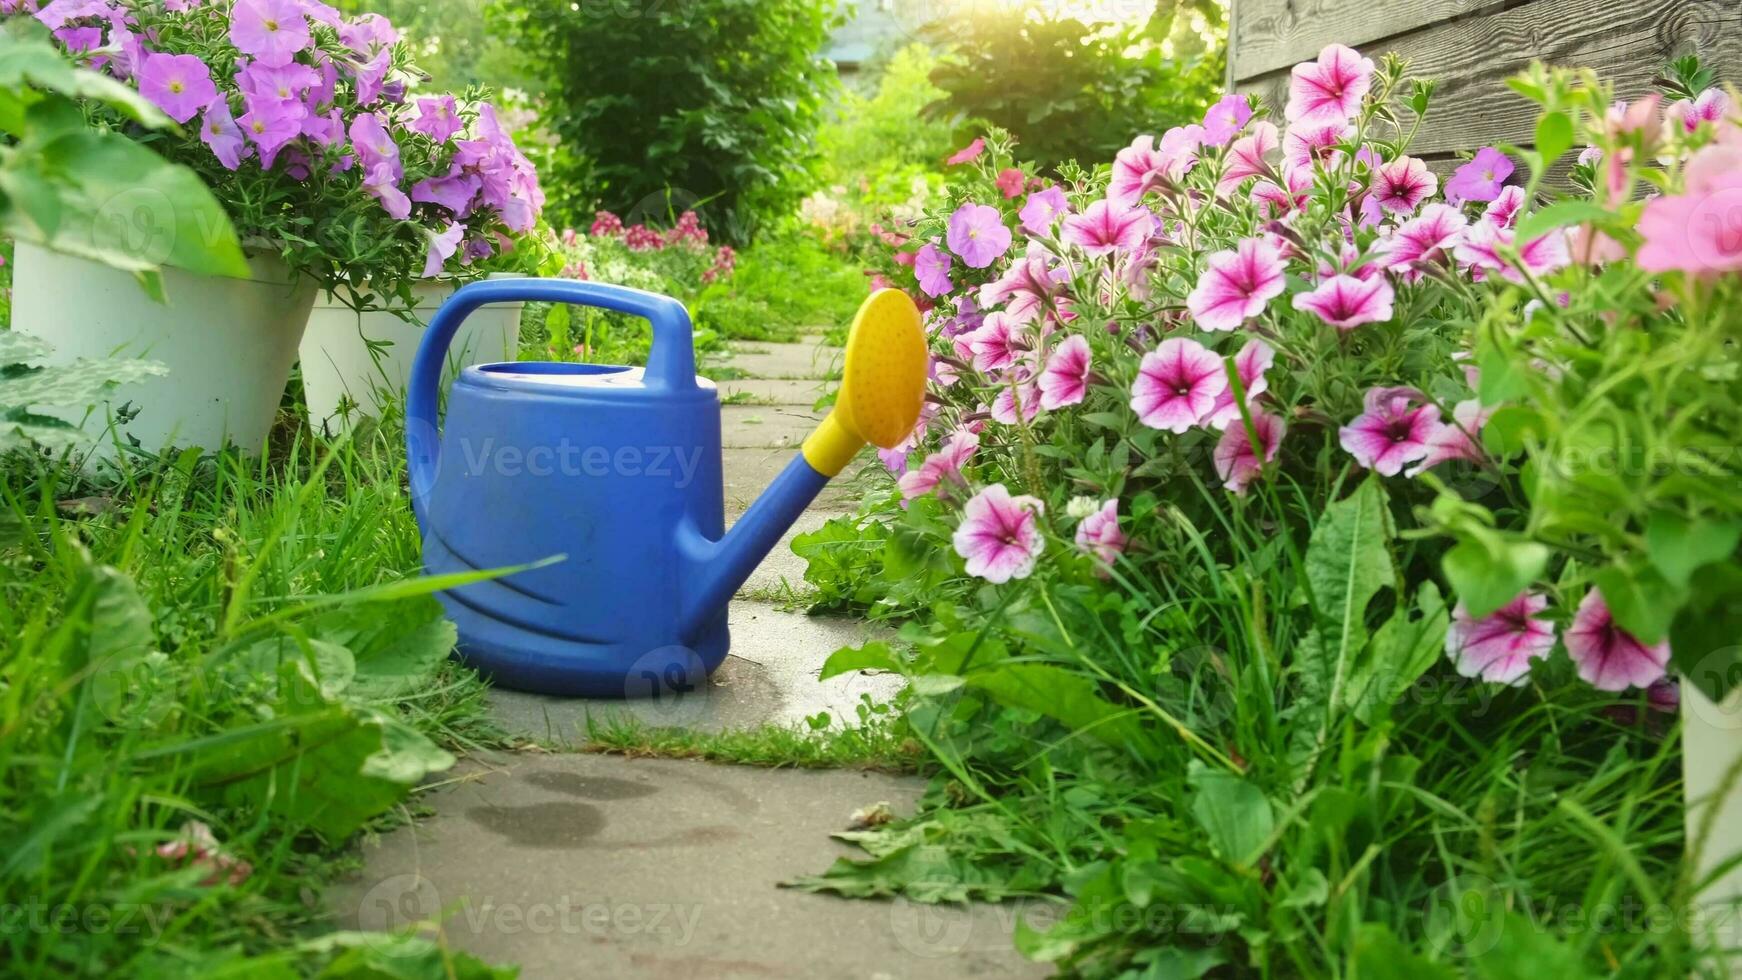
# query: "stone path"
x,y
576,865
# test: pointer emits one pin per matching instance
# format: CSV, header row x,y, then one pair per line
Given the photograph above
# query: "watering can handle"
x,y
671,364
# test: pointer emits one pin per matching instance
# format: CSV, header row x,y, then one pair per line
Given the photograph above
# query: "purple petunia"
x,y
273,31
179,84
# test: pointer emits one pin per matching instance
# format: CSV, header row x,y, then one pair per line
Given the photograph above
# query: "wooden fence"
x,y
1471,46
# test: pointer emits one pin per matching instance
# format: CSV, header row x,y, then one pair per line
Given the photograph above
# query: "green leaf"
x,y
1068,697
1560,215
1489,569
1379,955
1233,812
1706,637
1643,602
875,655
383,956
1679,547
127,207
407,659
1402,650
1348,561
1554,136
33,61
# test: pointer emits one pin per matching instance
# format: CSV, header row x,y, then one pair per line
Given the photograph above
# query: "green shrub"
x,y
708,103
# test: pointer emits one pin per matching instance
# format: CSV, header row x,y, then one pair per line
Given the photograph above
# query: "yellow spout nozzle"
x,y
882,383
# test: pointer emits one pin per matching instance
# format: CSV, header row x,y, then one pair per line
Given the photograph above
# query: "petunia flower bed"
x,y
309,127
1270,466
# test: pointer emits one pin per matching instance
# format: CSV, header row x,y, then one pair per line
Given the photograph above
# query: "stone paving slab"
x,y
748,472
776,391
801,360
583,866
766,426
770,676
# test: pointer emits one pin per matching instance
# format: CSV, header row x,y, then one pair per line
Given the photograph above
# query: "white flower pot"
x,y
343,378
1711,744
228,343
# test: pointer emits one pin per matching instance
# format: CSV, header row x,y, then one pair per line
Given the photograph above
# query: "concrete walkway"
x,y
585,866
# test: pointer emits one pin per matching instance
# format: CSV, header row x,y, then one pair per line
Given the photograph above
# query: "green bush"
x,y
709,102
1066,88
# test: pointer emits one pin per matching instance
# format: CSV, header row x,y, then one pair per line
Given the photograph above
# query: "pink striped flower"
x,y
1177,385
1608,657
1403,184
1236,461
1710,107
996,344
1251,363
1249,156
1000,535
1108,227
1503,211
1011,395
1329,89
1459,440
1143,167
1237,285
1274,201
1500,646
1065,381
1098,534
1392,432
945,464
1425,238
1305,146
1479,251
1346,302
1030,286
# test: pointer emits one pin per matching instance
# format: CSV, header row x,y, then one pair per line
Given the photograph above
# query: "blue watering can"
x,y
617,471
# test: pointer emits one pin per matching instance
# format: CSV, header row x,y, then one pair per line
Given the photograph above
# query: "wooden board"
x,y
1625,41
1273,34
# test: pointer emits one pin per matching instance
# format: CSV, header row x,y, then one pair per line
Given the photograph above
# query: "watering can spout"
x,y
882,388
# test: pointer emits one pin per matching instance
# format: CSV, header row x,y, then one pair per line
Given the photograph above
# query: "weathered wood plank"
x,y
1274,34
1625,41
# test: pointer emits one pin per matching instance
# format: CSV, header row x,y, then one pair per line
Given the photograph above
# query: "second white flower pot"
x,y
1711,747
228,343
354,364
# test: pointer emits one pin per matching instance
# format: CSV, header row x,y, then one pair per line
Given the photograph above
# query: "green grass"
x,y
878,743
784,287
222,641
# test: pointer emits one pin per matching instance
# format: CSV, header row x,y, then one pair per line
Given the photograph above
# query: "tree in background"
x,y
708,104
1071,88
452,43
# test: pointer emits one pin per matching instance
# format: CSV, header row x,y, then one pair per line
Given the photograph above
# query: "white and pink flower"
x,y
1000,535
1346,302
1501,646
1237,285
1065,380
1099,534
1393,431
1608,657
1177,385
1329,90
1237,462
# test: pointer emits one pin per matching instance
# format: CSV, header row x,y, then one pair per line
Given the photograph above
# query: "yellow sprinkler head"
x,y
882,384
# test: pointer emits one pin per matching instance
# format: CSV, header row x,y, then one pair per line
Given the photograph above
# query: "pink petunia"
x,y
1346,302
967,154
1501,646
1427,237
1503,211
374,144
977,234
1305,147
383,184
1330,89
179,84
931,266
1608,657
1065,381
1480,252
1226,119
442,246
1711,106
270,123
1274,200
995,345
1000,535
1177,385
454,192
1403,184
219,131
1697,231
1098,534
1031,285
1237,285
1236,462
1108,227
945,464
1010,182
273,31
438,118
1023,394
1252,362
1141,168
1250,156
1480,179
1458,440
1042,209
1392,432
